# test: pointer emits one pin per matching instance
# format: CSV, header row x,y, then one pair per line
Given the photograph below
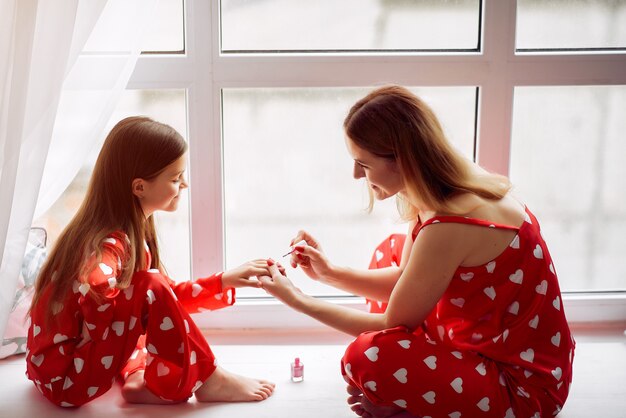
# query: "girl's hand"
x,y
310,258
278,285
241,276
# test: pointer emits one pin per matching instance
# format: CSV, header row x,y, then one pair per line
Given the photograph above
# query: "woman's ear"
x,y
138,187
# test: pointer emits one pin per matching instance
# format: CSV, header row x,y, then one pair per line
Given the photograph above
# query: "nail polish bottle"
x,y
297,371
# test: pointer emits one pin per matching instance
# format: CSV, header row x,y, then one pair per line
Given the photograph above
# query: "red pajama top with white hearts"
x,y
510,309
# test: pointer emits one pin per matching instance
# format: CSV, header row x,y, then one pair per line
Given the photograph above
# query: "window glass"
x,y
286,168
567,163
329,25
571,24
167,106
118,25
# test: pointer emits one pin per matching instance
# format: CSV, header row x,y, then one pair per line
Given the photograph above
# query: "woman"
x,y
474,324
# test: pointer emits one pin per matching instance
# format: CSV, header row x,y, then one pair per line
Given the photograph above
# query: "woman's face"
x,y
162,192
382,174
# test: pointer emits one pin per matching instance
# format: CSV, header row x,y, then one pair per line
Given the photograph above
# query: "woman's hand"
x,y
241,276
310,258
278,285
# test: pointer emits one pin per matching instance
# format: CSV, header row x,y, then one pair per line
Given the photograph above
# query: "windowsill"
x,y
588,311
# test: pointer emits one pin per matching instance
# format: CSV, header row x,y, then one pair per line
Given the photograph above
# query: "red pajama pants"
x,y
142,327
431,375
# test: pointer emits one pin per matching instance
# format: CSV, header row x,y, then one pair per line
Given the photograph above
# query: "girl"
x,y
471,321
103,306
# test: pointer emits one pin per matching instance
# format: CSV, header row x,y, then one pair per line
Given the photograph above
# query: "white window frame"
x,y
203,72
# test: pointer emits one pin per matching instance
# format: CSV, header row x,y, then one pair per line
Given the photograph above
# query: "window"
x,y
241,75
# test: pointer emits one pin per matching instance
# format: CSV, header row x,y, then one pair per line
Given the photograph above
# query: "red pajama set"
x,y
100,332
496,344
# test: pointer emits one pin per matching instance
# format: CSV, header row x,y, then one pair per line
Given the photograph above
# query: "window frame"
x,y
496,69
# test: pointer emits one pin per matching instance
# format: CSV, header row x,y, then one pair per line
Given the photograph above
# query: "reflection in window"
x,y
329,25
286,168
571,24
567,164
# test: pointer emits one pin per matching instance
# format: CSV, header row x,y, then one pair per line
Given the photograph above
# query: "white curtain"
x,y
55,102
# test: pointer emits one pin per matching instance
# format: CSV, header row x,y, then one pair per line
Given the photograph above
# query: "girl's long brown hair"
x,y
136,147
391,122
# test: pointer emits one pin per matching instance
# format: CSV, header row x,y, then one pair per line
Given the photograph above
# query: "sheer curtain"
x,y
56,100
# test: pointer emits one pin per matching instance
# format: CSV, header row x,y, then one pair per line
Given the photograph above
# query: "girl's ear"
x,y
137,186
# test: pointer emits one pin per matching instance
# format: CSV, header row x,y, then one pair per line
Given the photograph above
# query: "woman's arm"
x,y
374,284
348,320
433,259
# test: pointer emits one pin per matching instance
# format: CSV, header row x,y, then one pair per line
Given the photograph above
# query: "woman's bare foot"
x,y
224,386
365,409
135,391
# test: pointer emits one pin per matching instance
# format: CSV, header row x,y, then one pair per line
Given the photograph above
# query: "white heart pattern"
x,y
481,369
78,364
36,330
118,327
431,362
458,302
348,369
371,385
192,358
542,287
132,322
379,255
509,413
514,308
557,373
167,324
401,403
106,361
556,339
457,385
106,269
528,355
92,390
538,252
429,397
152,349
466,277
401,375
517,277
67,383
37,360
186,325
491,266
195,290
515,242
483,404
490,292
162,370
372,353
457,354
150,296
533,323
405,343
557,303
84,288
59,338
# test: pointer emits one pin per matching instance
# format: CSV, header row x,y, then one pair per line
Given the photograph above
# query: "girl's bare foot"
x,y
135,391
365,409
224,386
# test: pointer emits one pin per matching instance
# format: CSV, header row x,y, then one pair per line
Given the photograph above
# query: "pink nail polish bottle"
x,y
297,371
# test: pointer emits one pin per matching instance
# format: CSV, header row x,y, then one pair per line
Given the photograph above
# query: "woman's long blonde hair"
x,y
393,123
136,147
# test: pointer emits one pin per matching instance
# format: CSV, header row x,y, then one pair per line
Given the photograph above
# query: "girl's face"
x,y
382,174
162,192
